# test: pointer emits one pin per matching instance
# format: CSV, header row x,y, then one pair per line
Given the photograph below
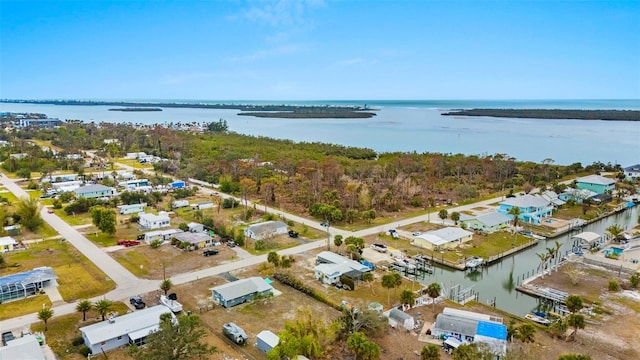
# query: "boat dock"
x,y
547,293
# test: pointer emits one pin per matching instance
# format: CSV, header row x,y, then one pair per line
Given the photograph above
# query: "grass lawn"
x,y
63,329
134,163
138,264
74,220
77,277
22,307
9,196
279,244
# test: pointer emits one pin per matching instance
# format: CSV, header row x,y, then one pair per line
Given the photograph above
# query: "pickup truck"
x,y
6,337
137,302
210,252
293,234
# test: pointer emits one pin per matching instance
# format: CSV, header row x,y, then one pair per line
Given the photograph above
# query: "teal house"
x,y
596,183
94,191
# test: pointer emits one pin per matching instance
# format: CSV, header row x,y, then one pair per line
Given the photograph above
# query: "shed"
x,y
195,227
179,204
266,340
399,318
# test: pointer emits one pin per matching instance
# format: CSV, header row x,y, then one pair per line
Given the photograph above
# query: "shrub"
x,y
78,340
345,280
614,285
260,245
156,243
84,351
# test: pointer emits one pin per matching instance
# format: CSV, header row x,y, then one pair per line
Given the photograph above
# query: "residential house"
x,y
131,209
195,227
131,328
162,235
152,221
265,229
470,327
449,237
577,195
26,283
7,243
553,198
241,291
532,208
13,230
596,183
111,141
202,205
632,172
400,319
136,184
22,348
488,223
18,156
94,191
135,155
40,123
331,266
67,186
198,240
179,204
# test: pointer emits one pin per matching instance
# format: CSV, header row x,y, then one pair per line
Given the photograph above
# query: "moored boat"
x,y
173,305
538,319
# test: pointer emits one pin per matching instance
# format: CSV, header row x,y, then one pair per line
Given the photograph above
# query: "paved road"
x,y
129,285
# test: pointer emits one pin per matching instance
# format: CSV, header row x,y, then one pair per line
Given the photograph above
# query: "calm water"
x,y
409,126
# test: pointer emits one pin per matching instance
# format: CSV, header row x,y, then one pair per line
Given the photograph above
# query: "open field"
x,y
77,277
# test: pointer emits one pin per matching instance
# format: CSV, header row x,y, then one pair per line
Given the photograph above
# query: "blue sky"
x,y
320,50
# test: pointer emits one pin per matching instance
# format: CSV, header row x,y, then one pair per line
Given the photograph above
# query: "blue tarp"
x,y
492,330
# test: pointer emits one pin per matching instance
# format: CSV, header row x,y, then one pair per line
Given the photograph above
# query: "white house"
x,y
131,209
398,318
202,205
152,221
195,227
330,273
448,237
469,327
632,172
265,229
162,235
135,155
179,204
7,243
123,330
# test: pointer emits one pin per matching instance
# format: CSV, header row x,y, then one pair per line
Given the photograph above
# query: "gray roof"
x,y
91,188
633,168
526,201
148,318
457,324
398,315
450,233
596,179
493,219
331,257
267,227
192,238
242,287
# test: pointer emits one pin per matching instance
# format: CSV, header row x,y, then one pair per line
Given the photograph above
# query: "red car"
x,y
50,211
127,243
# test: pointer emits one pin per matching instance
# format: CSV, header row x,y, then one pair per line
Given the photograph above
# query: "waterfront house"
x,y
94,191
131,209
131,328
265,229
26,283
577,195
532,208
470,327
553,198
586,240
7,243
241,291
331,273
198,240
329,257
449,237
152,221
632,172
400,319
488,223
596,183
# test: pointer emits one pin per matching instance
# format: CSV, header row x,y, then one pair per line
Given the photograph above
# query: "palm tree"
x,y
407,297
442,214
574,303
543,260
433,290
103,307
455,216
166,285
526,332
556,250
515,212
551,255
84,306
45,314
615,230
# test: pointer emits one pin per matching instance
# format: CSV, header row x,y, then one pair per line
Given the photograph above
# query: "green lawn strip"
x,y
63,329
9,196
280,245
34,194
75,219
21,307
134,163
137,263
82,280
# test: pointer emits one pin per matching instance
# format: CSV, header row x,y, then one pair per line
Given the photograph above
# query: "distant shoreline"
x,y
556,114
265,111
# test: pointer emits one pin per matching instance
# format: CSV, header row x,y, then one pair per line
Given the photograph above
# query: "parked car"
x,y
417,233
325,223
231,243
128,243
379,247
293,234
6,337
50,211
235,333
137,302
210,252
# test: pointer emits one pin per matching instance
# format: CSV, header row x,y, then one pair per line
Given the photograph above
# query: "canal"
x,y
498,281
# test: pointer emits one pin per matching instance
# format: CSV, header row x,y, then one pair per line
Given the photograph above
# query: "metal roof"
x,y
268,337
526,201
493,219
334,258
192,238
24,348
242,287
28,277
7,240
596,179
146,319
398,315
450,233
587,236
456,324
267,227
92,188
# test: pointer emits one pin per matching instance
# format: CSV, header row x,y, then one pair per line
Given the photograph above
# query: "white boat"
x,y
538,319
474,262
173,305
405,263
538,237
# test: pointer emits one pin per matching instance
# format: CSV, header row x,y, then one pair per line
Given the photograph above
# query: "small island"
x,y
313,114
136,109
611,115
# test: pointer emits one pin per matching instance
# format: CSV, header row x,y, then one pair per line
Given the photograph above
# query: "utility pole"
x,y
328,236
